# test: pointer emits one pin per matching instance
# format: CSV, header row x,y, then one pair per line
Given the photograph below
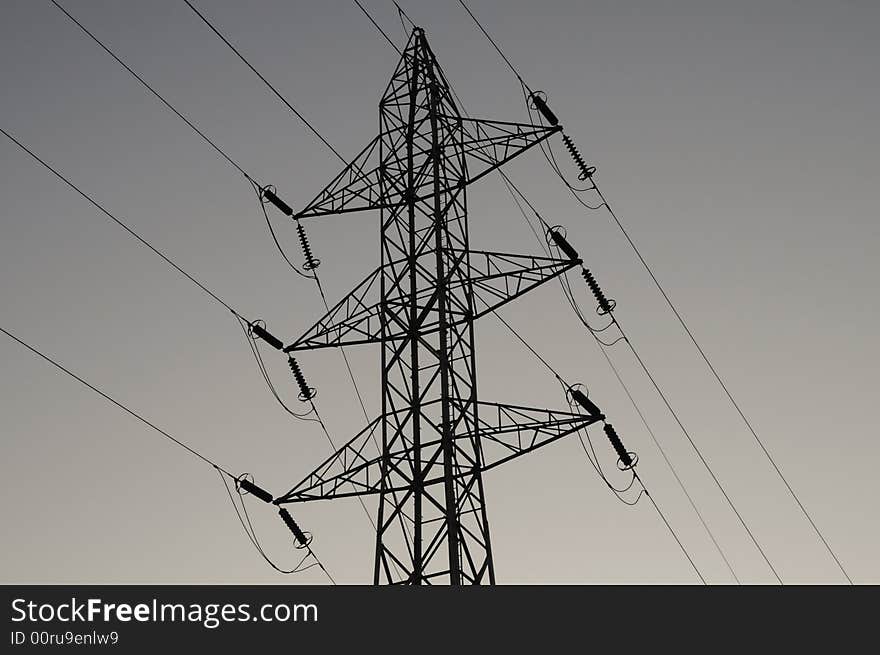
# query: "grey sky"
x,y
737,141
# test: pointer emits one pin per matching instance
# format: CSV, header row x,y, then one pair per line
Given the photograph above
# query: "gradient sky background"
x,y
737,141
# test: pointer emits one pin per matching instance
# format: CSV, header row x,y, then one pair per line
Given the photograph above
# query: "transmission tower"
x,y
421,304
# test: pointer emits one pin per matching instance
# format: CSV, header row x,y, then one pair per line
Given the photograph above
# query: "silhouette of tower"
x,y
421,305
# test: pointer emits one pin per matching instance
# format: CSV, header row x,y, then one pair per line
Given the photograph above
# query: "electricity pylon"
x,y
421,304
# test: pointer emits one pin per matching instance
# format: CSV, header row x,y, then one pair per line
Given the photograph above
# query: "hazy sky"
x,y
737,141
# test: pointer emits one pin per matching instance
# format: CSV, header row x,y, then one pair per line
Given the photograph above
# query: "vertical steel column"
x,y
446,425
429,377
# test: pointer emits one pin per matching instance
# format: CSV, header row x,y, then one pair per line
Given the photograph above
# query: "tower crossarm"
x,y
504,432
497,278
489,144
369,182
355,188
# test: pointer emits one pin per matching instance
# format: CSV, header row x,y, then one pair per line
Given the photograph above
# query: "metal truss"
x,y
497,278
486,146
510,431
420,306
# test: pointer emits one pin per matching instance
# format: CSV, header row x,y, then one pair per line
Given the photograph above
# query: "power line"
x,y
120,405
637,477
252,180
511,187
193,126
101,208
306,545
265,81
119,222
238,316
146,85
575,192
221,470
143,241
495,45
641,415
248,528
639,359
258,358
323,140
259,188
381,31
537,355
697,451
680,319
287,103
680,545
669,407
727,392
672,412
280,96
252,537
599,344
402,14
667,460
278,245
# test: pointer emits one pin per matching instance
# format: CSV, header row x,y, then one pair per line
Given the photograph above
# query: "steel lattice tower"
x,y
436,438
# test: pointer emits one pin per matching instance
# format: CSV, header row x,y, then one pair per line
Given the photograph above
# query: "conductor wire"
x,y
699,454
381,31
686,329
252,536
112,400
265,81
724,387
313,274
159,96
119,222
495,45
570,298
